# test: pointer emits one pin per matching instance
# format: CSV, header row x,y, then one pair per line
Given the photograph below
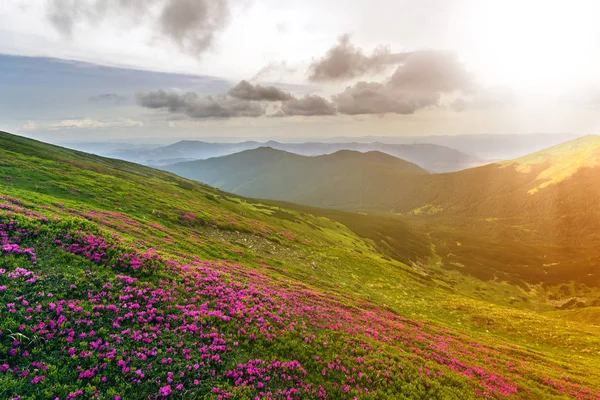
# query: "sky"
x,y
161,70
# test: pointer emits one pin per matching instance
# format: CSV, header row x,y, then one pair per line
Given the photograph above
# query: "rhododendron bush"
x,y
85,315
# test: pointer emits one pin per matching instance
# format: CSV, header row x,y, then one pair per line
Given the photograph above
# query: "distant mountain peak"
x,y
372,156
263,149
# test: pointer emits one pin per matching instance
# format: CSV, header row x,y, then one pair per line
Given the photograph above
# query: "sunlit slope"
x,y
535,218
560,162
131,282
557,183
554,182
590,315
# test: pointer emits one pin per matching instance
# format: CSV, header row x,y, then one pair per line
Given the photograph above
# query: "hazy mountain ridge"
x,y
434,158
484,148
470,190
487,146
276,174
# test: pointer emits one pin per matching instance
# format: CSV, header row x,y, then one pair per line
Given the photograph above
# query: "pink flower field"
x,y
85,316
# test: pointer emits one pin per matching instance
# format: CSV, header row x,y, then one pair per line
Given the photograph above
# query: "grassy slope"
x,y
562,161
149,208
535,217
276,174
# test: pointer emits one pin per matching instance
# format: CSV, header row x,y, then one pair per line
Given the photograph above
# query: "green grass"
x,y
590,315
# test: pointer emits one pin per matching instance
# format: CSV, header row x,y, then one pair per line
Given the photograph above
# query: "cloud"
x,y
431,71
107,98
372,98
30,126
346,61
276,114
309,105
460,104
274,71
197,107
190,24
82,123
91,123
244,100
63,14
418,82
246,91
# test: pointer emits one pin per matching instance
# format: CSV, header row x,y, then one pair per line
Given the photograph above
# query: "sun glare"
x,y
534,44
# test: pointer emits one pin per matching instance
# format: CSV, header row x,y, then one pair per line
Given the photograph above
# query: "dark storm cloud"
x,y
418,82
309,105
197,107
346,61
190,24
246,91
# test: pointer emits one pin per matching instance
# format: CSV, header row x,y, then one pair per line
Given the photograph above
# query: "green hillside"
x,y
121,281
528,221
354,177
561,162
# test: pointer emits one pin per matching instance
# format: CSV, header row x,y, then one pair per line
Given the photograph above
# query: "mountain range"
x,y
380,182
487,146
275,174
541,204
434,153
431,157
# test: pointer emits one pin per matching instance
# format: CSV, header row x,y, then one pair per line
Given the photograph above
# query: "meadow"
x,y
119,281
